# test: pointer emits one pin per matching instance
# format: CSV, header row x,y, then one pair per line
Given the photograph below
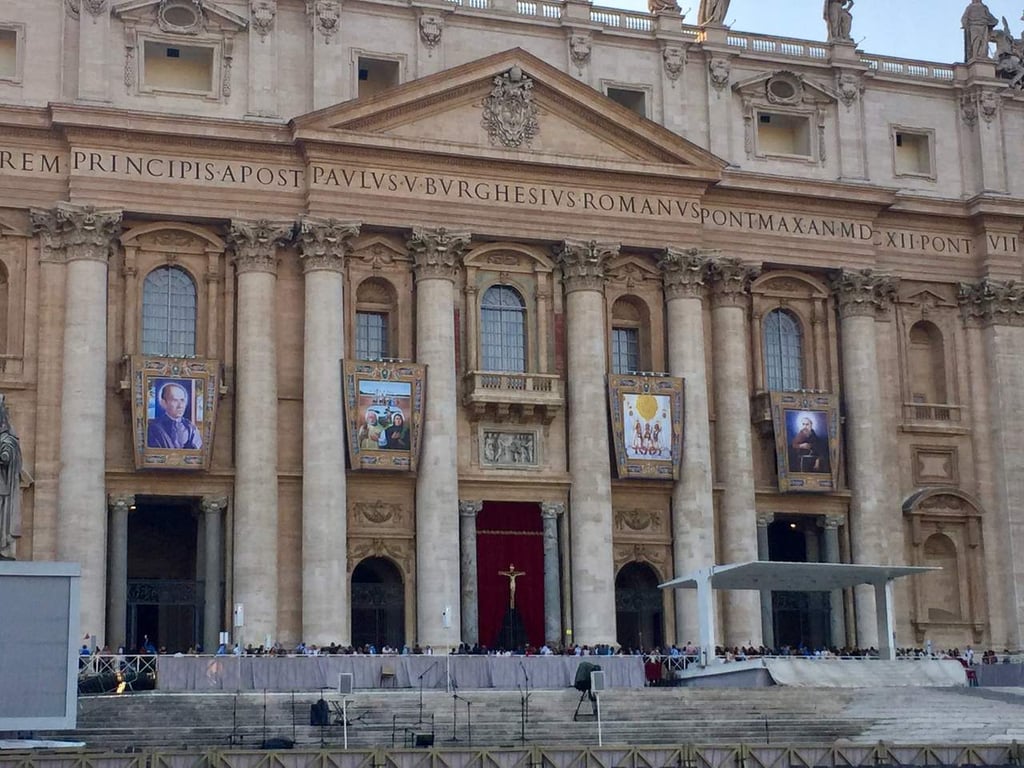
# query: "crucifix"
x,y
512,574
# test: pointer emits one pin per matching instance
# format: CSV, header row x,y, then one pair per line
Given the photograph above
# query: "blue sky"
x,y
911,29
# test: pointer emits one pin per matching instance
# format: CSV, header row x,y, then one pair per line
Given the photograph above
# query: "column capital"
x,y
73,232
685,272
550,510
255,243
583,263
831,522
764,519
730,281
324,243
863,292
213,505
992,302
437,252
470,508
121,501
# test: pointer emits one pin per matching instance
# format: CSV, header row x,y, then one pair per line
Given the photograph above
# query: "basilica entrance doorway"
x,y
639,615
799,619
164,596
378,604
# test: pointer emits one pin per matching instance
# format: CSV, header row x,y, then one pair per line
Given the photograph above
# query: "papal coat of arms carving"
x,y
510,114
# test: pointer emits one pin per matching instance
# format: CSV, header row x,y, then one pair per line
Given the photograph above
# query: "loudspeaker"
x,y
319,714
597,682
423,740
345,683
582,680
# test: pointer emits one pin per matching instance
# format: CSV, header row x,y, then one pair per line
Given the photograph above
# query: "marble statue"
x,y
712,12
1009,56
10,484
978,23
662,6
839,19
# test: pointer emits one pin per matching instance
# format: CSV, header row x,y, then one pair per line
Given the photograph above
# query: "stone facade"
x,y
309,164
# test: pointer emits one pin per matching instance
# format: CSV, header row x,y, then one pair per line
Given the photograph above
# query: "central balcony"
x,y
513,396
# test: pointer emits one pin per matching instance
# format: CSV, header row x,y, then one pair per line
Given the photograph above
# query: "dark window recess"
x,y
364,74
173,53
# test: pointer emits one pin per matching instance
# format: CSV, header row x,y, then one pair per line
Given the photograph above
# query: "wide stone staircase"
x,y
651,716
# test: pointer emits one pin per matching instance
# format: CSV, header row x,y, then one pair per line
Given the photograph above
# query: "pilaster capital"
x,y
121,502
324,243
831,522
685,272
469,508
213,505
73,232
583,263
551,510
863,292
764,519
255,244
992,302
437,252
730,281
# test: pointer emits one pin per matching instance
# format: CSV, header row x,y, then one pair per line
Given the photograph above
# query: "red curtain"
x,y
510,533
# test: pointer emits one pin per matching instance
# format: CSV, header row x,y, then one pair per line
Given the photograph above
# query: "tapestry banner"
x,y
647,425
383,413
806,440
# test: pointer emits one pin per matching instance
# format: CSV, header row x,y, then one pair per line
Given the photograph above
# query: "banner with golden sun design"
x,y
647,425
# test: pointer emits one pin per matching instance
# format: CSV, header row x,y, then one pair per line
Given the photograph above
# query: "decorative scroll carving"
x,y
396,550
71,232
653,554
510,113
583,263
95,7
719,71
227,57
992,302
638,520
262,13
378,512
685,273
674,59
255,244
849,88
864,292
129,61
579,50
437,253
326,17
431,29
324,243
730,280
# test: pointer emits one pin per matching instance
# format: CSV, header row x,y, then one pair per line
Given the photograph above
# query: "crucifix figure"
x,y
512,574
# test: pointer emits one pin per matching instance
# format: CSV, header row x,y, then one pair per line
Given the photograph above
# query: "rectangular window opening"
x,y
625,350
912,153
178,67
782,134
630,98
376,75
8,54
372,335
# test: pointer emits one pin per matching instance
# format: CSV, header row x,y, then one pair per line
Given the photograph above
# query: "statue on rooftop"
x,y
10,484
978,23
839,19
712,12
662,6
1009,56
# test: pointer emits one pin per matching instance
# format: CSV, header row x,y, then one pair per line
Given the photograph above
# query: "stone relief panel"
x,y
641,521
935,466
658,556
378,514
509,449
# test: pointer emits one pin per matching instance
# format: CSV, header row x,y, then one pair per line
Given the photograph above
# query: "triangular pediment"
x,y
185,17
456,111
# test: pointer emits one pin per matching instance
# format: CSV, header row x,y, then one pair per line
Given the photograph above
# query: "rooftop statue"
x,y
712,12
978,23
662,6
10,484
839,19
1009,56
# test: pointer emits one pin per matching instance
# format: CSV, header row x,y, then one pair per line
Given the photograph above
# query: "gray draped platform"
x,y
300,673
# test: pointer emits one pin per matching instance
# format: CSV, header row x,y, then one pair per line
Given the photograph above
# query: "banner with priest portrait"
x,y
806,440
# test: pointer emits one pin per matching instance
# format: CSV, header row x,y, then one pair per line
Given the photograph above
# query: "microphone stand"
x,y
455,713
469,721
522,715
422,675
527,696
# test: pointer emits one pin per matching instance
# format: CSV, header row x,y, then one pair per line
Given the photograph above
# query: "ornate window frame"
x,y
19,53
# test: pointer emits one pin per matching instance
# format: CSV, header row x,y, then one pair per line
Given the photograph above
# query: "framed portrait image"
x,y
647,425
806,440
383,413
174,405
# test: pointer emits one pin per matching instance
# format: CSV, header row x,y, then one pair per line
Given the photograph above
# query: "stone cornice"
x,y
685,273
324,243
437,253
72,232
583,263
255,244
992,302
730,281
863,292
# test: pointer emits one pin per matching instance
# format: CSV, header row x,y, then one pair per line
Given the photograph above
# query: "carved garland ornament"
x,y
326,17
431,28
674,59
579,50
719,71
262,13
510,114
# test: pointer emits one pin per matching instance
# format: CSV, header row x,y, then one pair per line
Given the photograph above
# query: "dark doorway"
x,y
378,604
800,619
164,597
639,618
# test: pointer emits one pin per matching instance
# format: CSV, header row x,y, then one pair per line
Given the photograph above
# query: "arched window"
x,y
783,351
503,330
627,321
375,301
169,313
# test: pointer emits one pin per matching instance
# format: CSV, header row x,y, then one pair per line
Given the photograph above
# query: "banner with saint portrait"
x,y
174,404
806,440
647,425
383,413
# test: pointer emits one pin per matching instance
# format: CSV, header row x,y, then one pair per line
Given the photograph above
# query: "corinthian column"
x,y
255,246
550,512
685,275
326,615
730,280
468,510
861,294
590,516
85,237
437,254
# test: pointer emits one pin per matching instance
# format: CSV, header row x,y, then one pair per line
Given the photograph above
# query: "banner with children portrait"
x,y
647,425
383,413
174,403
806,440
